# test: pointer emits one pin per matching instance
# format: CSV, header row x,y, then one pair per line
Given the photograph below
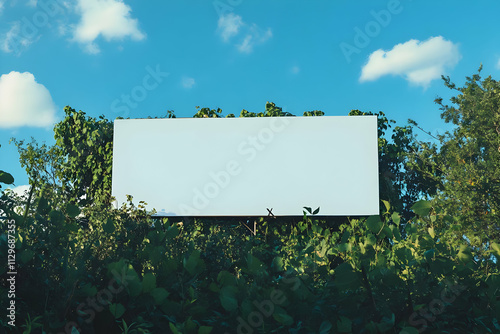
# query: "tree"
x,y
271,110
6,203
467,162
399,183
41,162
78,167
5,177
86,143
130,273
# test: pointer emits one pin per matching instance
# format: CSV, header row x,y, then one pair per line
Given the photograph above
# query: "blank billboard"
x,y
245,166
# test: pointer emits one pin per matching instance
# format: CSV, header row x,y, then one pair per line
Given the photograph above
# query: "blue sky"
x,y
135,58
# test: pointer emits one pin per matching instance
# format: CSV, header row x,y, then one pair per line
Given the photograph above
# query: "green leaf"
x,y
422,208
464,254
6,177
425,242
374,224
370,239
109,226
345,236
159,295
173,328
172,232
344,325
325,327
254,265
26,256
56,217
122,269
316,211
277,264
386,324
226,278
148,282
204,330
189,326
431,232
194,265
117,310
396,218
345,277
387,231
404,255
134,287
395,232
88,290
411,228
495,248
495,323
43,206
125,326
429,255
282,317
227,296
387,205
72,210
308,209
409,330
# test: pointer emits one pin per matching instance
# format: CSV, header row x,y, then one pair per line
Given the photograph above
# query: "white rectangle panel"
x,y
243,166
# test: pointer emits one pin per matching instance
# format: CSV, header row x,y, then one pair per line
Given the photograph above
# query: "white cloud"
x,y
231,25
16,40
30,28
20,190
1,6
23,192
295,69
246,45
498,64
9,36
24,102
416,61
62,28
109,18
253,37
188,82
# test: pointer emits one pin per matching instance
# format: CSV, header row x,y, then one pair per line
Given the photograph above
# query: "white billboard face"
x,y
245,166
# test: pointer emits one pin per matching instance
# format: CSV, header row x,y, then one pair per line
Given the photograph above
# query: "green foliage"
x,y
466,164
6,178
201,276
86,144
271,111
399,182
87,268
313,113
78,167
41,163
422,208
207,113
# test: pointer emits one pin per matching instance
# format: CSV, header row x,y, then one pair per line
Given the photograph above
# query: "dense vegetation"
x,y
428,263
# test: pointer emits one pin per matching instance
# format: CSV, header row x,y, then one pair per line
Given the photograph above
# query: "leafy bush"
x,y
122,271
84,267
